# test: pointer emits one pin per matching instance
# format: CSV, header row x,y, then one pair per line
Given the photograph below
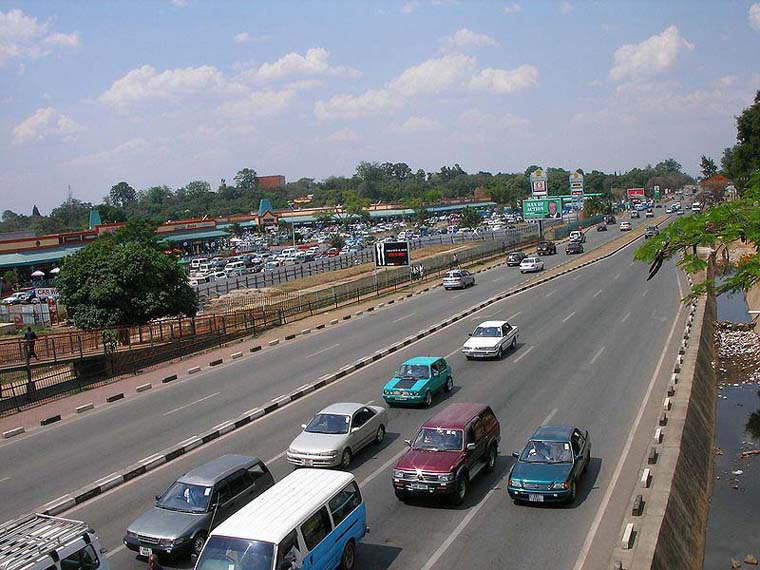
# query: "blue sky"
x,y
165,92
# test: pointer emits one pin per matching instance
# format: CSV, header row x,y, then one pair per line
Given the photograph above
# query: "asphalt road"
x,y
84,449
590,345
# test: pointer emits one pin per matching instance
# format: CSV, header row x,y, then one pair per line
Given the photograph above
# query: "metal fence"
x,y
75,360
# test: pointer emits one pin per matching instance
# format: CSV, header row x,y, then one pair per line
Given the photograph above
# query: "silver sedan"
x,y
336,434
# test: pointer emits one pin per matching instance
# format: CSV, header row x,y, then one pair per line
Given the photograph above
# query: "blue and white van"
x,y
311,520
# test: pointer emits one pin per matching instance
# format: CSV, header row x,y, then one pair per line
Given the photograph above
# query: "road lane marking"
x,y
644,294
598,293
382,468
514,316
549,417
275,458
115,551
550,293
625,318
198,401
568,317
321,351
597,355
458,295
617,276
525,353
4,479
583,554
404,317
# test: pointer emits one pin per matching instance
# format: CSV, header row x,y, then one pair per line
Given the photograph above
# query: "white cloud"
x,y
432,75
346,106
180,3
305,84
133,147
566,7
343,135
505,80
512,8
45,123
145,84
258,104
416,125
649,57
315,62
242,37
464,38
754,16
23,36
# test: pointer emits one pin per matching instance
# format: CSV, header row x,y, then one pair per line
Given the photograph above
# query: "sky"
x,y
160,92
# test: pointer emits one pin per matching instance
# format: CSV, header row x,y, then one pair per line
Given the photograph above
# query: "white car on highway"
x,y
530,264
491,339
625,226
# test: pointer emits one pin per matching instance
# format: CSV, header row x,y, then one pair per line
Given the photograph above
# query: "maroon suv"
x,y
448,450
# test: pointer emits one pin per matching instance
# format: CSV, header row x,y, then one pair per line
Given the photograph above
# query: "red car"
x,y
448,450
332,252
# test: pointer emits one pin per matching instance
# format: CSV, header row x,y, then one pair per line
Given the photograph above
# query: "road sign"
x,y
538,183
656,192
542,209
391,253
635,192
576,185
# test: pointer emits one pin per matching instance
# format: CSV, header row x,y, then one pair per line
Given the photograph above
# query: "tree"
x,y
469,218
10,279
236,229
124,279
122,194
246,179
355,206
336,241
36,211
709,169
593,207
742,159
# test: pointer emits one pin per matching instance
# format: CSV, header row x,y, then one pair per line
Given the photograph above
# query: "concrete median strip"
x,y
216,362
236,355
144,387
50,420
274,342
168,379
13,432
194,369
85,407
115,398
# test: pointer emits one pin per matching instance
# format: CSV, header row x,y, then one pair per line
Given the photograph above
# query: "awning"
x,y
194,236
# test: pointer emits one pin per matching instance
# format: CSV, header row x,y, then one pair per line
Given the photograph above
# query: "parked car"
x,y
550,465
634,214
610,220
651,231
625,226
578,236
531,264
573,247
601,228
447,451
546,248
418,380
182,517
649,213
491,339
514,258
15,298
458,279
337,433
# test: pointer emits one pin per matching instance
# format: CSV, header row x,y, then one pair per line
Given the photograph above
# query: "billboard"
x,y
576,185
635,192
538,183
542,209
391,253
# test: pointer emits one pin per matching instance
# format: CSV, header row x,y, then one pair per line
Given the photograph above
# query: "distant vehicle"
x,y
625,226
15,298
635,214
578,236
531,264
658,206
649,213
41,542
550,465
573,247
458,279
514,258
491,339
182,517
601,228
680,212
651,231
337,433
418,380
696,207
610,220
332,252
272,264
447,452
546,248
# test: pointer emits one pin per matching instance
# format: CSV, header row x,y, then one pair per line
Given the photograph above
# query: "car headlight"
x,y
446,477
515,483
560,485
398,474
387,392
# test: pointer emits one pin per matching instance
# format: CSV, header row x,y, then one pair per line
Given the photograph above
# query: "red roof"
x,y
455,416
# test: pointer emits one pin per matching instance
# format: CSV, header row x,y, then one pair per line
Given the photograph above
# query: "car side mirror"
x,y
470,447
469,334
303,426
516,454
408,442
157,497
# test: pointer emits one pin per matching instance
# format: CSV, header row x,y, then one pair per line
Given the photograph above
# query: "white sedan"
x,y
491,339
530,264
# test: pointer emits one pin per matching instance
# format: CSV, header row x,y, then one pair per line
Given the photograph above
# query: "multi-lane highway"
x,y
591,343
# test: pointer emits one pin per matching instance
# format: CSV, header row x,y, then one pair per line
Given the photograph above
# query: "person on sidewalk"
x,y
30,337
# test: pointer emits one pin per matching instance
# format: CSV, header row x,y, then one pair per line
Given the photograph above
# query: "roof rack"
x,y
25,540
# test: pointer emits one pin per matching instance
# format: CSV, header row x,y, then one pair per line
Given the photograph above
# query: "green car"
x,y
418,380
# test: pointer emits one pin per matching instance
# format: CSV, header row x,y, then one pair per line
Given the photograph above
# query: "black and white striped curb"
x,y
171,453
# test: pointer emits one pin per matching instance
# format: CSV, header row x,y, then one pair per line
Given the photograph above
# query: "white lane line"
x,y
382,468
597,355
549,417
198,401
623,457
458,295
598,293
4,479
115,551
625,318
568,317
550,293
321,351
632,264
369,403
524,354
276,457
404,317
617,276
514,316
644,294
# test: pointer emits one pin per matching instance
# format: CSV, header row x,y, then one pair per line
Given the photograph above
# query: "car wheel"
x,y
348,560
573,493
449,385
461,491
198,541
345,460
500,353
428,399
513,345
380,434
491,461
468,357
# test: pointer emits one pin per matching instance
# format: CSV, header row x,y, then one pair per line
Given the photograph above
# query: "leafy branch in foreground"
x,y
719,228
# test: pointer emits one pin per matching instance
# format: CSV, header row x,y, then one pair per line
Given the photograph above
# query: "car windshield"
x,y
186,498
453,274
487,332
224,553
329,423
438,439
538,451
414,371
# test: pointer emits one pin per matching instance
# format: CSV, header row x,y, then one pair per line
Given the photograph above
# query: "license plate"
x,y
419,486
308,462
145,551
533,498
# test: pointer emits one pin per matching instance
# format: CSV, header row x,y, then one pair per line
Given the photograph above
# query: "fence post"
x,y
310,311
246,282
55,356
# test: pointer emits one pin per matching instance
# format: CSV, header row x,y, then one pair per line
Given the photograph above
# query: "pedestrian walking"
x,y
29,339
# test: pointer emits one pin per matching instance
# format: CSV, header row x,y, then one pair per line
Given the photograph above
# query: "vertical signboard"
x,y
539,187
656,192
576,185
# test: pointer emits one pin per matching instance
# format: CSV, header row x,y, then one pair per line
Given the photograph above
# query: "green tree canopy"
x,y
469,218
708,167
743,159
246,179
124,279
122,194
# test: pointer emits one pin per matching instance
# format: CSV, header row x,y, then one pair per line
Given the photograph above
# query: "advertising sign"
x,y
656,192
538,183
635,192
391,253
542,209
576,185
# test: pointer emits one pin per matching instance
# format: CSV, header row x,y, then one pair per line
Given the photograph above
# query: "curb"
x,y
144,387
13,432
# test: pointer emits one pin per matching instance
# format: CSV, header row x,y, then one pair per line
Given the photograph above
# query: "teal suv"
x,y
549,467
418,380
